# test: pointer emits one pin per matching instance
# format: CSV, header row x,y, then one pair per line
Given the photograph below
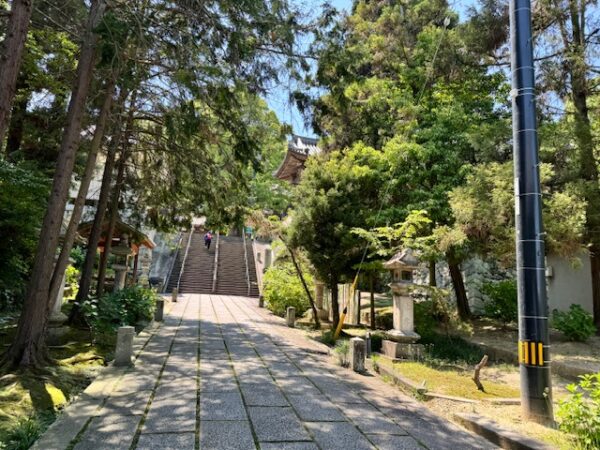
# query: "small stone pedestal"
x,y
124,350
290,316
174,294
261,301
358,352
159,311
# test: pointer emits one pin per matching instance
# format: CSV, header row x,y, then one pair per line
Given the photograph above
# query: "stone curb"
x,y
69,423
398,379
494,433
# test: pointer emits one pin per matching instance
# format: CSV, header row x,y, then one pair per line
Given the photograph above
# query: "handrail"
x,y
246,261
166,282
216,267
187,250
256,269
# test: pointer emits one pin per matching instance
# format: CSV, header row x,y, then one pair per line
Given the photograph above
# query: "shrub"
x,y
282,288
384,321
126,307
502,300
342,351
450,349
576,323
580,413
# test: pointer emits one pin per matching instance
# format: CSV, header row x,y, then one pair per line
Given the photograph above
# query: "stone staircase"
x,y
198,270
231,274
174,276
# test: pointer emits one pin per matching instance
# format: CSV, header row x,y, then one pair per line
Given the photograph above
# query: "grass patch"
x,y
453,382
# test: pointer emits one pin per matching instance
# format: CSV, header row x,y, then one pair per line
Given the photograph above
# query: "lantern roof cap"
x,y
404,259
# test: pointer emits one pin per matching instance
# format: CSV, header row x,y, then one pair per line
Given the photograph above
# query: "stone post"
x,y
174,295
357,354
368,344
124,350
290,316
159,311
268,258
261,301
120,274
319,291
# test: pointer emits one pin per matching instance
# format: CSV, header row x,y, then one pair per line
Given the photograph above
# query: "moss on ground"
x,y
31,399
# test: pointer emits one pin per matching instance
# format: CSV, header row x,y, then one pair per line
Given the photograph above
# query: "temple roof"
x,y
136,237
299,149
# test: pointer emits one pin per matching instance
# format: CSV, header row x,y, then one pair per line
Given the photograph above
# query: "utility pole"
x,y
533,346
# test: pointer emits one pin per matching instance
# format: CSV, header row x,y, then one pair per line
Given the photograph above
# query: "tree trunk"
x,y
28,348
301,276
87,271
432,277
372,291
462,303
335,306
112,221
114,207
16,127
86,179
12,55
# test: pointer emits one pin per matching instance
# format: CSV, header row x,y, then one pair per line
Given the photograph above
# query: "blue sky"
x,y
278,98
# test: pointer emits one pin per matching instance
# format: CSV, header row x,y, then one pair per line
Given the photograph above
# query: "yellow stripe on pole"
x,y
520,349
338,330
526,351
540,353
533,361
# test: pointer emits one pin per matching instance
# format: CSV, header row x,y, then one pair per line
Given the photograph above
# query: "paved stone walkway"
x,y
220,373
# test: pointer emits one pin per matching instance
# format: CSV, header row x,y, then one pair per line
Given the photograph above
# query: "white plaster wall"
x,y
569,283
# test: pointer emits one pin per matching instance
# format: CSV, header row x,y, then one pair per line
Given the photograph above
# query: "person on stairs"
x,y
207,240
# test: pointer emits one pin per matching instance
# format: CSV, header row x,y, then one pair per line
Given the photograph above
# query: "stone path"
x,y
220,373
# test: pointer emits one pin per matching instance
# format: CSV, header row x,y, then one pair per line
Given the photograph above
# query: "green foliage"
x,y
23,193
441,348
129,306
579,414
25,432
576,323
342,352
283,288
502,300
71,282
78,256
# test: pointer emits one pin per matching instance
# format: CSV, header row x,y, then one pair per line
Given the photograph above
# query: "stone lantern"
x,y
401,341
122,252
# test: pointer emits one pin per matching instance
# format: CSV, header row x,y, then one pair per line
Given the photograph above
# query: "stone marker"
x,y
174,295
261,301
124,350
290,316
357,354
368,343
159,311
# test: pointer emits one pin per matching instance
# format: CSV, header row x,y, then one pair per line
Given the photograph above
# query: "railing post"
x,y
246,262
187,249
216,268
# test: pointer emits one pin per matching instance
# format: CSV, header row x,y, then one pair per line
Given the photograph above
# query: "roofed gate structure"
x,y
299,149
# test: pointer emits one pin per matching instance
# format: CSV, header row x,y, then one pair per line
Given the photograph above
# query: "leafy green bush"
x,y
384,321
502,300
126,307
576,323
23,197
282,288
580,413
